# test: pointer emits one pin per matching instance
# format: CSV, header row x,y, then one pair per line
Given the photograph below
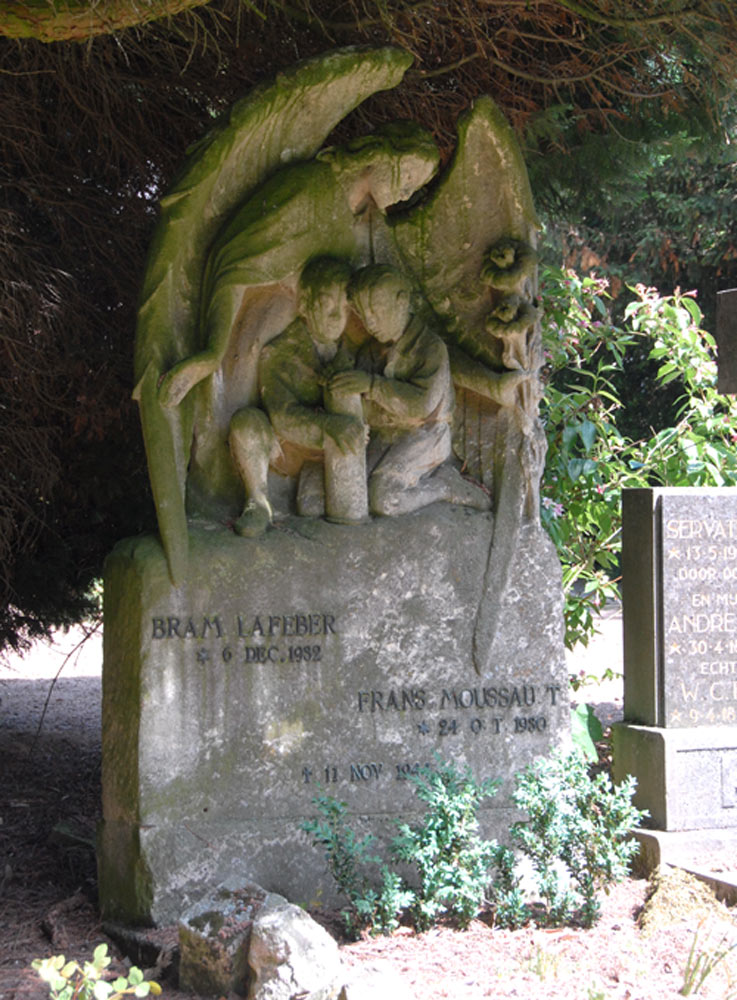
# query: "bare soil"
x,y
49,808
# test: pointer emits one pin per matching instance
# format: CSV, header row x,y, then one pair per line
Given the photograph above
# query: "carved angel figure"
x,y
259,201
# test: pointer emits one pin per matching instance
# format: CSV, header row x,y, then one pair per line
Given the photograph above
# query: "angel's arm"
x,y
468,373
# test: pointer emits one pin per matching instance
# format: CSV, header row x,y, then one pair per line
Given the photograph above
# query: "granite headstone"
x,y
680,655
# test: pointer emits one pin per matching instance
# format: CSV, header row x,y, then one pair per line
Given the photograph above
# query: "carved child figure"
x,y
403,374
293,370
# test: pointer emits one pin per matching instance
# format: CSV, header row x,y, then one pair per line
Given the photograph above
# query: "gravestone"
x,y
350,580
726,338
679,737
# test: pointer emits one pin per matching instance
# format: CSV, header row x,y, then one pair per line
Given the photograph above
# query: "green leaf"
x,y
135,976
586,729
102,989
100,957
588,434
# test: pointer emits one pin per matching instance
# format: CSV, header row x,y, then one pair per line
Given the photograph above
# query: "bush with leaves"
x,y
451,861
349,860
72,981
589,460
577,835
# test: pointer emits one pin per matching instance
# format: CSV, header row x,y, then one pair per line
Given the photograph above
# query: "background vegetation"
x,y
623,109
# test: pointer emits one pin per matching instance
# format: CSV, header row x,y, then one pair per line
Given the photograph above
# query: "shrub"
x,y
452,861
589,459
576,834
576,837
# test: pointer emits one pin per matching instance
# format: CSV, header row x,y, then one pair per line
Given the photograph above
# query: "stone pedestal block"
x,y
320,658
686,777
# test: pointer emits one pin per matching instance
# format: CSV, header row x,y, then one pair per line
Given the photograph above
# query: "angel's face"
x,y
326,312
392,180
384,311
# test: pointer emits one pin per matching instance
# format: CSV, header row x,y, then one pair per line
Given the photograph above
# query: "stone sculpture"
x,y
331,340
466,250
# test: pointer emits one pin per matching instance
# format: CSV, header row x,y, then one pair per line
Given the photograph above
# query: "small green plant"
x,y
452,861
349,860
72,981
576,834
595,993
544,963
701,962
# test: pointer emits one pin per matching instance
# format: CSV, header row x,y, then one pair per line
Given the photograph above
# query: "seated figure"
x,y
403,375
293,371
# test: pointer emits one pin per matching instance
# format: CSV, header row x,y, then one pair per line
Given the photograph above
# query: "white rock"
x,y
290,955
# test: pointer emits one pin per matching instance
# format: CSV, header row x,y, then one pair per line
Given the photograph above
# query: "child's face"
x,y
384,311
326,313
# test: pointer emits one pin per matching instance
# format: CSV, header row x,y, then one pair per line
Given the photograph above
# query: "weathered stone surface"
x,y
680,606
686,777
291,956
318,658
214,937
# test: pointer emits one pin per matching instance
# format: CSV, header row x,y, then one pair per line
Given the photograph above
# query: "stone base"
x,y
710,855
319,659
686,778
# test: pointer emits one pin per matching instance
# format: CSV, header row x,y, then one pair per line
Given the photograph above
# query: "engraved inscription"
x,y
699,572
278,640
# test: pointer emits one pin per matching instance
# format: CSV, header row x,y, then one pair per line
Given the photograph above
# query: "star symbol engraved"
x,y
675,647
422,727
202,656
674,554
675,716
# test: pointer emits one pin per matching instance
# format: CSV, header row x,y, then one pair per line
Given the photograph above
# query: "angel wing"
x,y
284,121
482,202
483,196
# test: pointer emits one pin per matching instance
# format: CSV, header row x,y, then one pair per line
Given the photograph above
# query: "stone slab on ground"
x,y
320,659
710,855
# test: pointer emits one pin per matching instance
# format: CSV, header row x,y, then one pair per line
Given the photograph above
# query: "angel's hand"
x,y
502,386
348,433
352,381
177,383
